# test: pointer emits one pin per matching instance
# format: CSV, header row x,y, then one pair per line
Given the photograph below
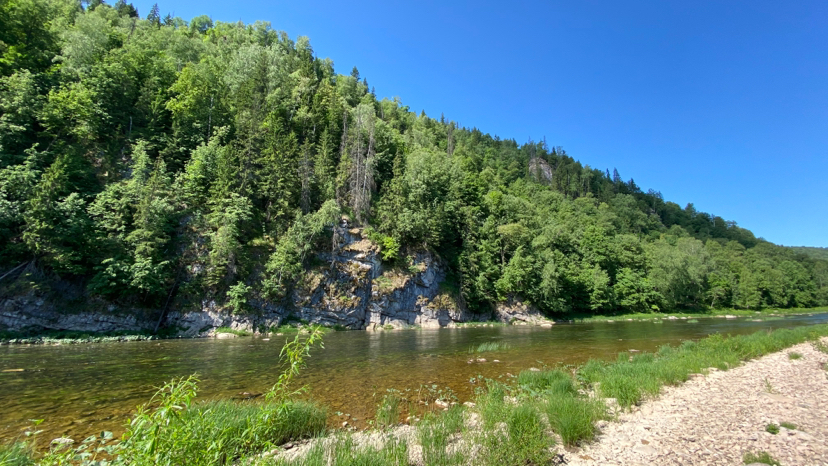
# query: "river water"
x,y
85,388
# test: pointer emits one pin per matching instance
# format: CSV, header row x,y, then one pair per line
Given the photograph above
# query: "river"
x,y
85,388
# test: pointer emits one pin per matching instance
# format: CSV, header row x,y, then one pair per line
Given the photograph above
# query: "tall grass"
x,y
342,450
512,432
16,454
629,380
554,381
388,412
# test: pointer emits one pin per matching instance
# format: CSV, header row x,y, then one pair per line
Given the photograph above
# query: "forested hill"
x,y
156,157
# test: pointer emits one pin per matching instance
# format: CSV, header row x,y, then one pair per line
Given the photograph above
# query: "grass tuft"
x,y
16,454
555,381
772,428
793,355
489,346
388,412
761,457
574,418
788,425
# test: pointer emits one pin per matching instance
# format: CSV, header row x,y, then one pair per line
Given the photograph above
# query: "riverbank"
x,y
63,337
774,405
679,406
717,313
537,415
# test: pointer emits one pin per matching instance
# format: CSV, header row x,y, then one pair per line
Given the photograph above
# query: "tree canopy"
x,y
143,156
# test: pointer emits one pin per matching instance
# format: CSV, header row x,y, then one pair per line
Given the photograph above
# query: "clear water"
x,y
83,389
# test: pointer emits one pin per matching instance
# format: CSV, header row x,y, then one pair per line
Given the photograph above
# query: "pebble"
x,y
715,419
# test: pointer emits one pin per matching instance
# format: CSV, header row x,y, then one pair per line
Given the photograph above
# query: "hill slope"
x,y
161,162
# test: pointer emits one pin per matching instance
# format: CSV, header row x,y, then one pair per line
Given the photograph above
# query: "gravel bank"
x,y
716,419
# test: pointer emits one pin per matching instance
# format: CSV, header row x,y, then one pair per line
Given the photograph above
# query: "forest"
x,y
149,157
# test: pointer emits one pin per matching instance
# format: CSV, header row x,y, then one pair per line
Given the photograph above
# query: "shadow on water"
x,y
83,389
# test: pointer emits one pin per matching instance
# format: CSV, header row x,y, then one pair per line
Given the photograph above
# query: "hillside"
x,y
158,162
814,253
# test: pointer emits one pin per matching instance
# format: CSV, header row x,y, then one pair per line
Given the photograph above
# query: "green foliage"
x,y
573,418
788,425
16,454
761,457
772,428
630,379
173,429
285,264
148,156
554,382
237,297
343,450
388,410
489,346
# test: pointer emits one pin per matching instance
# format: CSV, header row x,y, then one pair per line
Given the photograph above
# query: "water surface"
x,y
85,388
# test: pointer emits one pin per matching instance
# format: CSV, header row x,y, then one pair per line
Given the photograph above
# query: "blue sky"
x,y
723,104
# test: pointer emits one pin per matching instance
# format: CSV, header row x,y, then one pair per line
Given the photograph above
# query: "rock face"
x,y
351,289
515,311
354,290
30,311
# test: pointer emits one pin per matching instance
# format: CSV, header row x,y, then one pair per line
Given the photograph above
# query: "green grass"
x,y
793,355
549,382
511,433
629,381
573,418
241,333
388,412
434,433
16,454
772,429
217,432
695,315
489,346
341,450
788,425
761,457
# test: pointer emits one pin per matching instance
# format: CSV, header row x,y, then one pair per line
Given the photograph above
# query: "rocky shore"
x,y
716,419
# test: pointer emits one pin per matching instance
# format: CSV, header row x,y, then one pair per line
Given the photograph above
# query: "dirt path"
x,y
715,420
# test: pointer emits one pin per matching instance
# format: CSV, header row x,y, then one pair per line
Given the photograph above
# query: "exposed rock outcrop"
x,y
352,288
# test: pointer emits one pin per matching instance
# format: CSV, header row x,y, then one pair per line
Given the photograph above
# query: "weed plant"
x,y
794,355
388,411
772,429
787,425
761,457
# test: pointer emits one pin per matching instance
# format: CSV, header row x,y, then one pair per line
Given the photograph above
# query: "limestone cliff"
x,y
351,288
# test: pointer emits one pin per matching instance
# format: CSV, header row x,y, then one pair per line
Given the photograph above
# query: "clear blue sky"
x,y
723,104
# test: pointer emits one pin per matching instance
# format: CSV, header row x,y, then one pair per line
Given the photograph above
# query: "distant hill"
x,y
816,253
